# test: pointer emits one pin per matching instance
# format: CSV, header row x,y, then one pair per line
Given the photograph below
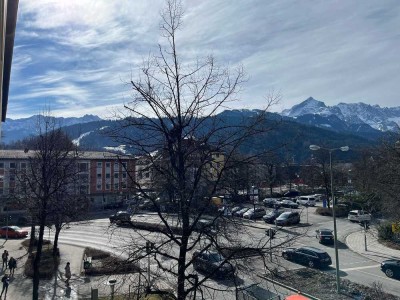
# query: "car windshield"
x,y
284,215
15,228
353,213
323,255
326,232
215,257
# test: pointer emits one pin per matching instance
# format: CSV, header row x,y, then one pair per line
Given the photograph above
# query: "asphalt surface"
x,y
99,234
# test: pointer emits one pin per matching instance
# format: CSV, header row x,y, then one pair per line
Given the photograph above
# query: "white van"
x,y
306,200
358,216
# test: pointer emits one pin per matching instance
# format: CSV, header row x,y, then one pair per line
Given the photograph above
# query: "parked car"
x,y
271,202
254,213
212,262
306,200
310,256
241,212
289,204
288,218
235,209
206,226
391,268
324,236
13,232
120,216
358,216
292,193
271,216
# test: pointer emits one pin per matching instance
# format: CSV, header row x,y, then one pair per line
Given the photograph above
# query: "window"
x,y
12,177
123,185
1,165
116,166
13,165
99,164
98,187
83,167
23,166
116,186
124,165
107,186
147,175
116,175
98,176
108,165
108,175
124,175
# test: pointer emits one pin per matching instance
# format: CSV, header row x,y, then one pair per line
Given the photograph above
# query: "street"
x,y
357,268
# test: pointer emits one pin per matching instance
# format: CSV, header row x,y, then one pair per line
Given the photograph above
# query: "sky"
x,y
77,57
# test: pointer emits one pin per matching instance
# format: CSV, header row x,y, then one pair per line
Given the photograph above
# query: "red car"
x,y
13,232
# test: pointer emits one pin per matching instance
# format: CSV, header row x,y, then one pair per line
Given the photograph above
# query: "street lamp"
x,y
344,149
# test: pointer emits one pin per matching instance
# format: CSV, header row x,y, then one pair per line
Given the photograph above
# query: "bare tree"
x,y
50,171
185,146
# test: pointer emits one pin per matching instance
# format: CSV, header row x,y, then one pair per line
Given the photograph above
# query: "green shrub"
x,y
341,211
48,264
96,253
385,231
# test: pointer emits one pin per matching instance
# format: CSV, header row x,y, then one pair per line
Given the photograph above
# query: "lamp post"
x,y
344,148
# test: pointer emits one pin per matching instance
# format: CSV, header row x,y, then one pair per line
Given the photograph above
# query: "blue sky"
x,y
76,56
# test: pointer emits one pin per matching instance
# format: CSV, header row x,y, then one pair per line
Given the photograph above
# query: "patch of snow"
x,y
78,140
120,148
326,125
104,127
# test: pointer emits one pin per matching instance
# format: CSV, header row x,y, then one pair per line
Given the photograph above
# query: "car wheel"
x,y
311,264
389,273
285,256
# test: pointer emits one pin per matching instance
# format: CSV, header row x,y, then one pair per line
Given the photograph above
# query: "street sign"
x,y
396,227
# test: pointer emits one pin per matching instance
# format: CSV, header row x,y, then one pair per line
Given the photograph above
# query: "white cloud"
x,y
79,54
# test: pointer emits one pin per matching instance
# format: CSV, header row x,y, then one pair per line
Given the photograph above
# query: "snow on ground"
x,y
78,140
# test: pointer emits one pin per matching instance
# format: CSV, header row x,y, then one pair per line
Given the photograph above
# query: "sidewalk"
x,y
21,287
375,251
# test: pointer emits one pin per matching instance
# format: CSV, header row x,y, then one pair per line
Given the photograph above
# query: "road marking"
x,y
360,268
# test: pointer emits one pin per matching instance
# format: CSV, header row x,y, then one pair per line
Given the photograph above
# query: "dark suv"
x,y
120,217
211,262
310,256
288,218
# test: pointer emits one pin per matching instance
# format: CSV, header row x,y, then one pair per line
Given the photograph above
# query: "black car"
x,y
120,216
391,268
324,236
271,202
310,256
292,193
212,263
272,215
289,204
288,218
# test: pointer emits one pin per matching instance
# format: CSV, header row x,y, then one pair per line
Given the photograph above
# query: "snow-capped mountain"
x,y
352,114
13,130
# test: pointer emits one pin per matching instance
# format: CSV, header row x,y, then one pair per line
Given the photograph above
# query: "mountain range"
x,y
309,122
356,118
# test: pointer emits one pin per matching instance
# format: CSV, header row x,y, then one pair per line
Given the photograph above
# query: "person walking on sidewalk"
x,y
67,273
6,281
4,256
12,264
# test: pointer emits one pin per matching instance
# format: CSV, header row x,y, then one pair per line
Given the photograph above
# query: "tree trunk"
x,y
181,267
55,243
36,261
32,238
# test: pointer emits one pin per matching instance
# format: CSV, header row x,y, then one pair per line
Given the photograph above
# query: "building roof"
x,y
23,154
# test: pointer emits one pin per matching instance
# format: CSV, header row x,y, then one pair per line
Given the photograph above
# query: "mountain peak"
x,y
308,106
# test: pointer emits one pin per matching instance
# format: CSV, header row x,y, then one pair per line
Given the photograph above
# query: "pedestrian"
x,y
67,273
12,264
5,280
4,256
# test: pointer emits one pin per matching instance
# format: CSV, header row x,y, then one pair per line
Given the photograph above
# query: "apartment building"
x,y
107,178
